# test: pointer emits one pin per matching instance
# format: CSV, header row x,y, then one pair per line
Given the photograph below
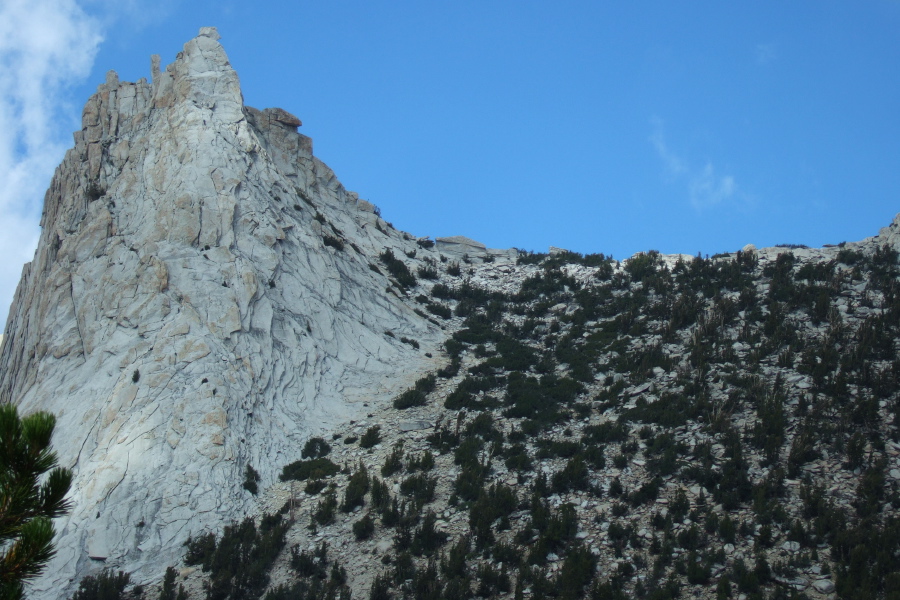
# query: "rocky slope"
x,y
701,427
203,298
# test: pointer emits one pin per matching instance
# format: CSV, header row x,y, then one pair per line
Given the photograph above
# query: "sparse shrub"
x,y
364,528
577,572
251,480
315,447
517,458
393,462
301,470
727,530
428,273
495,502
409,399
332,241
440,310
427,538
356,490
325,510
314,486
698,572
679,506
381,588
310,563
439,290
573,476
803,450
420,487
615,488
398,269
107,585
450,370
411,342
648,492
371,437
239,563
425,462
168,590
94,191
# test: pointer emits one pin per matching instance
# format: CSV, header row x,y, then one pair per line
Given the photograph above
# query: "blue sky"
x,y
599,127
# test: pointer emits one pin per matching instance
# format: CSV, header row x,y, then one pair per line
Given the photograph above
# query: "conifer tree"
x,y
28,500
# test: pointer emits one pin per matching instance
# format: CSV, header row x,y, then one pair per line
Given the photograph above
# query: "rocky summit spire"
x,y
203,297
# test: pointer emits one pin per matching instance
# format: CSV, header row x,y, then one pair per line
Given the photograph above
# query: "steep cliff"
x,y
204,296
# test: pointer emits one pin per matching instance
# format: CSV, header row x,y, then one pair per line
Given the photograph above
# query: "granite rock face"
x,y
201,299
460,247
890,235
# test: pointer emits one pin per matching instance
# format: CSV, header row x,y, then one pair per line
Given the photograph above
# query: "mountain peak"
x,y
201,300
203,77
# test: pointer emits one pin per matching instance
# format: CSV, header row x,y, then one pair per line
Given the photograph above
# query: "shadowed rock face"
x,y
183,316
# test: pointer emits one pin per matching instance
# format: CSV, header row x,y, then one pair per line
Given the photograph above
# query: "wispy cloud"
x,y
673,164
705,187
46,46
766,53
708,189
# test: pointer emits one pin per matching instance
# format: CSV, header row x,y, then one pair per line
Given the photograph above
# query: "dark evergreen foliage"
x,y
398,269
734,374
301,470
356,490
238,564
371,437
106,585
315,447
251,480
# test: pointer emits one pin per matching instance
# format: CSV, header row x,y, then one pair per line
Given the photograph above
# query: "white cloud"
x,y
705,187
708,189
46,46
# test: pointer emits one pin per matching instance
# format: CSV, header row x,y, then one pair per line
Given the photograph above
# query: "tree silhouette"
x,y
27,504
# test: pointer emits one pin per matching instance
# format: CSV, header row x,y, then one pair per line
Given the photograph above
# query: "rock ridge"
x,y
200,301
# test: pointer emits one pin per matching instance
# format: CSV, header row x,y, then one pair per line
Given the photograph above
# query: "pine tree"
x,y
27,504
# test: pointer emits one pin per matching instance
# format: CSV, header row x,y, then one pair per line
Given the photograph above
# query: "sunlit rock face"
x,y
189,311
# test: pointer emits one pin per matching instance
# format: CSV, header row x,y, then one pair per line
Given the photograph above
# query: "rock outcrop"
x,y
459,247
889,235
201,300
